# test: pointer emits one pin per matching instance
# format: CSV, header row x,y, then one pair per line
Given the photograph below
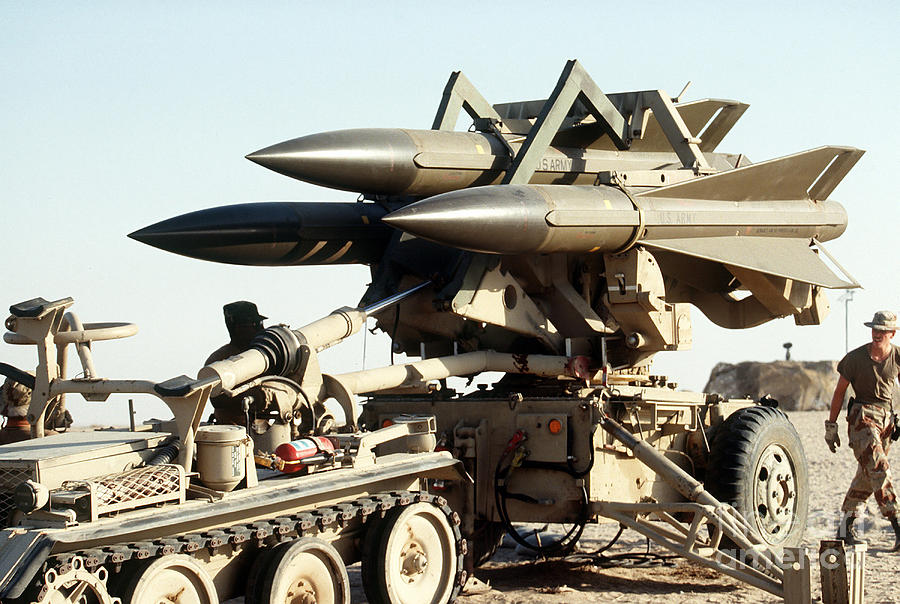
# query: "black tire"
x,y
307,565
757,464
258,568
370,570
418,532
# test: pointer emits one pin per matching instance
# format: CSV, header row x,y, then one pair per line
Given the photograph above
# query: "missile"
x,y
525,219
760,217
386,161
275,234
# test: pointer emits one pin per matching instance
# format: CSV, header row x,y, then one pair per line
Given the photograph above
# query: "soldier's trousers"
x,y
869,429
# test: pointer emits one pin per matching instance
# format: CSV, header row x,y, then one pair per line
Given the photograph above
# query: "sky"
x,y
115,115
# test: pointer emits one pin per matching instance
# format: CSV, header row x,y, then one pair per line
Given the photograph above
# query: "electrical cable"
x,y
562,545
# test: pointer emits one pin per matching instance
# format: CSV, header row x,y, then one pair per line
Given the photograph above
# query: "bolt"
x,y
415,564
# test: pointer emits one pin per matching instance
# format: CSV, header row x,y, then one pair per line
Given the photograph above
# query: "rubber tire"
x,y
258,568
148,569
736,450
377,543
370,569
280,564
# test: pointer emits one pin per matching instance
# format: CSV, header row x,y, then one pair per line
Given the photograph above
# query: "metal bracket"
x,y
685,145
459,93
574,85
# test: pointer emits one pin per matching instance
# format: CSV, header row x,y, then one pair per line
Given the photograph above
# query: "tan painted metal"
x,y
470,363
843,570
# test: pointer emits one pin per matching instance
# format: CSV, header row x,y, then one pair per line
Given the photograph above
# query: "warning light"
x,y
555,426
387,422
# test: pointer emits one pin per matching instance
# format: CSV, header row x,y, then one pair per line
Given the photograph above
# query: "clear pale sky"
x,y
115,115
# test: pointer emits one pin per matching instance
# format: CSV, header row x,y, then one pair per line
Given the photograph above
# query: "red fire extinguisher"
x,y
298,455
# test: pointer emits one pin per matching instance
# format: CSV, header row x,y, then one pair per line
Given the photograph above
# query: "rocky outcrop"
x,y
796,385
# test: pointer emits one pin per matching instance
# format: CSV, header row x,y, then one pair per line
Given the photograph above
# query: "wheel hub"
x,y
414,562
302,593
775,493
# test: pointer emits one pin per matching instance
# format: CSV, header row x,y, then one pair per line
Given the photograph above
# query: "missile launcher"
x,y
601,217
561,244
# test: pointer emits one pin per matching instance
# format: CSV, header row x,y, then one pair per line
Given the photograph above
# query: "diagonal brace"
x,y
574,84
459,93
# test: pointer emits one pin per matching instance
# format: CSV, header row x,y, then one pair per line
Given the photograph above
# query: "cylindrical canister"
x,y
221,455
294,452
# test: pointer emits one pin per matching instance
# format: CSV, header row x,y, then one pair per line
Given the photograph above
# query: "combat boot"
x,y
895,524
847,532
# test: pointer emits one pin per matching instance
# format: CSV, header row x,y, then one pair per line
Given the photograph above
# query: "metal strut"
x,y
754,561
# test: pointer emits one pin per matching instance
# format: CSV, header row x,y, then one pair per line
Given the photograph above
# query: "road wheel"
x,y
258,569
410,557
173,579
757,464
305,571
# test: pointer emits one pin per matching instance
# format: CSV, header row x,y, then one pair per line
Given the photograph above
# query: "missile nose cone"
x,y
367,160
238,234
274,234
507,219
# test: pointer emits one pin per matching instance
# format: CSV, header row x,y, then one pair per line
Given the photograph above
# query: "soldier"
x,y
871,369
14,400
243,322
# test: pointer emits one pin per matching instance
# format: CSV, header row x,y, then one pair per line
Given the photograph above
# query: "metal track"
x,y
265,533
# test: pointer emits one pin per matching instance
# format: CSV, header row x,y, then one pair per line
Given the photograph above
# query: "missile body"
x,y
275,234
429,162
524,219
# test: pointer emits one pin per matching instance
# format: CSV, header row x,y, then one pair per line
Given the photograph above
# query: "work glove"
x,y
831,436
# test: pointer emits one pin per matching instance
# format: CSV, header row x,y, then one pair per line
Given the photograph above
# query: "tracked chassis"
x,y
143,517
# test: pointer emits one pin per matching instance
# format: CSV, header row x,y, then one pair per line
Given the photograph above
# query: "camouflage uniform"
x,y
872,371
14,400
869,429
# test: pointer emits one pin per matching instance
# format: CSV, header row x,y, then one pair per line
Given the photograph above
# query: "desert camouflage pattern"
x,y
14,399
869,429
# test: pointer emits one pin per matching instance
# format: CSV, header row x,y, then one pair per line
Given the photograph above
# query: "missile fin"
x,y
721,124
696,116
811,174
782,257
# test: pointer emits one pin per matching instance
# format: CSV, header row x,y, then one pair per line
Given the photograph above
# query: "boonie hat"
x,y
884,320
241,313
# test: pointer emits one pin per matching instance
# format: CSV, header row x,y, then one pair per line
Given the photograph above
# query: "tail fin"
x,y
782,257
709,120
809,174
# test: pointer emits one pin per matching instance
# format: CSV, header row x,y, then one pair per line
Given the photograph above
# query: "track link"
x,y
261,534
